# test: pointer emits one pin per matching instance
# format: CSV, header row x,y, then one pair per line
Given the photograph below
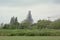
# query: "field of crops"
x,y
29,37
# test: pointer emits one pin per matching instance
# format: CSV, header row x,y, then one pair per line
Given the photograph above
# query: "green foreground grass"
x,y
29,37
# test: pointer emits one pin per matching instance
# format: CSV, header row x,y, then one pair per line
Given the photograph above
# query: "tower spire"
x,y
29,18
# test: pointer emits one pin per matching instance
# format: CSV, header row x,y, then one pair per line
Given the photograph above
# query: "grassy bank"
x,y
29,32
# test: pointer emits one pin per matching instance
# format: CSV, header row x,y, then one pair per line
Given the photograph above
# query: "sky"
x,y
40,9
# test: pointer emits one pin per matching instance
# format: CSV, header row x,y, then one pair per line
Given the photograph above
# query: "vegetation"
x,y
28,28
41,24
29,32
28,23
30,38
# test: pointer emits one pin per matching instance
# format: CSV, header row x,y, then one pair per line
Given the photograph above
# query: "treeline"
x,y
28,23
28,28
41,24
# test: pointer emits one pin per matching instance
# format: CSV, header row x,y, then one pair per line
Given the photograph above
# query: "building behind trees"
x,y
29,19
28,23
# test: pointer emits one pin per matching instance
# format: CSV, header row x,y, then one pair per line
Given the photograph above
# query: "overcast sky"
x,y
41,9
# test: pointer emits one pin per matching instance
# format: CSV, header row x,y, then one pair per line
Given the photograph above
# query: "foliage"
x,y
43,24
13,20
25,24
12,26
55,24
29,32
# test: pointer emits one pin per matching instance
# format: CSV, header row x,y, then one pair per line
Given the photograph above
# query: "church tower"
x,y
29,18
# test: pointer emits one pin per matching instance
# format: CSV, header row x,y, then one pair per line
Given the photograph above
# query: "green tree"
x,y
43,24
25,24
55,24
34,26
13,20
14,24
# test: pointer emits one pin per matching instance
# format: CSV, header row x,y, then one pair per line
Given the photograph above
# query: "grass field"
x,y
29,37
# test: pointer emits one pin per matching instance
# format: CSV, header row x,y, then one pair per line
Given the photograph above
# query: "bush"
x,y
30,32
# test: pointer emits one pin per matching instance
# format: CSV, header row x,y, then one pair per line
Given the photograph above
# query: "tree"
x,y
27,23
13,24
43,24
1,25
34,26
55,24
12,21
16,20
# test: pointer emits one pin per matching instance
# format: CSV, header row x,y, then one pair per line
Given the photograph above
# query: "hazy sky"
x,y
41,9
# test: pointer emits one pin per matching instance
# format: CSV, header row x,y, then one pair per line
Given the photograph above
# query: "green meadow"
x,y
29,37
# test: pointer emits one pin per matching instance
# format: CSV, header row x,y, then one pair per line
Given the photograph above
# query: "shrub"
x,y
29,32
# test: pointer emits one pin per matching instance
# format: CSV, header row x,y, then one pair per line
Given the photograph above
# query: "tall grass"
x,y
29,32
